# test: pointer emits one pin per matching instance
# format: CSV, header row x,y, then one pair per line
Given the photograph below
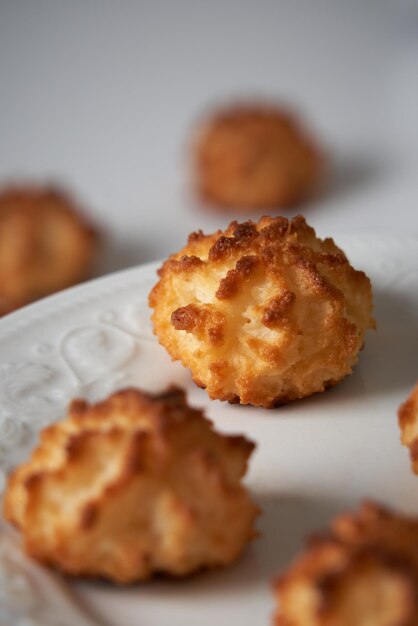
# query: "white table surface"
x,y
101,96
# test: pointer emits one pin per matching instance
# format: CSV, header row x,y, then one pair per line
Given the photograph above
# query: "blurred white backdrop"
x,y
102,97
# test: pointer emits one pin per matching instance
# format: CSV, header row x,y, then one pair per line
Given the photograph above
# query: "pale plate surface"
x,y
314,457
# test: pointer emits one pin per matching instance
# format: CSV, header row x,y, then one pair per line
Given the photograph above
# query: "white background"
x,y
102,96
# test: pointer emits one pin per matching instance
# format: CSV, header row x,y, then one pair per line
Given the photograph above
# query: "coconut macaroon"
x,y
255,156
136,485
364,572
408,423
262,313
45,244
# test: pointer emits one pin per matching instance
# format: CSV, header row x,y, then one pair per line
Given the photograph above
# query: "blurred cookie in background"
x,y
255,156
46,244
362,572
408,423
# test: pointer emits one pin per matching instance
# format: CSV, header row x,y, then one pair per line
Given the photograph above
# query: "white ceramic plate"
x,y
314,457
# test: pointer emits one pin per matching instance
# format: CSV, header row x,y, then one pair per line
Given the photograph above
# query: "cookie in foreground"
x,y
136,485
253,156
363,572
408,423
46,244
262,313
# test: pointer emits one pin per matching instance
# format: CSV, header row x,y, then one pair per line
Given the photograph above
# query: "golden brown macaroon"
x,y
255,157
45,244
262,313
133,486
408,423
364,572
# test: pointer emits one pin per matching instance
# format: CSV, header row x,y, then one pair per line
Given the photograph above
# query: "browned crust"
x,y
186,317
289,268
46,244
255,156
116,465
408,411
375,542
187,263
408,424
203,321
277,310
236,278
88,515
